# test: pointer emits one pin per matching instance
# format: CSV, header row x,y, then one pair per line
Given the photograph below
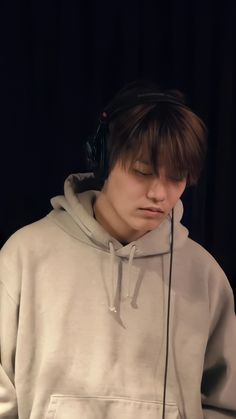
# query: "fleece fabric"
x,y
83,322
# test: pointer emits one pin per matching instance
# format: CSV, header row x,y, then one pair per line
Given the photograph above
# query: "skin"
x,y
121,207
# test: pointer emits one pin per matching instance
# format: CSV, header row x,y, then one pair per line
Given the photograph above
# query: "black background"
x,y
61,61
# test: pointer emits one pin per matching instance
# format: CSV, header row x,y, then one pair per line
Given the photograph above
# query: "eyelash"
x,y
172,179
175,179
142,173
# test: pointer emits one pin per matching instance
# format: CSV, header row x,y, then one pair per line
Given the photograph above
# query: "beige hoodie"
x,y
83,322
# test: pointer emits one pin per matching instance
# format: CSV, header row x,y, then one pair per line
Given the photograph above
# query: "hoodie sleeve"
x,y
8,333
219,375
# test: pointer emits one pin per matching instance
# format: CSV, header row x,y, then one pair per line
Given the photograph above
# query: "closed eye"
x,y
177,178
139,172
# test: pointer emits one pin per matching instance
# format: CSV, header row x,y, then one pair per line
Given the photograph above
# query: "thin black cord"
x,y
168,316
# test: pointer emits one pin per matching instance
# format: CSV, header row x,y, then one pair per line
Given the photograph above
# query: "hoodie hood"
x,y
73,212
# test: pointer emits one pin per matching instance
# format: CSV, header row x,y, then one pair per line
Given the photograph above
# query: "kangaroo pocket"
x,y
76,407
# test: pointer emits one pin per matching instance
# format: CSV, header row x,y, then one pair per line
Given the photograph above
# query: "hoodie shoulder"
x,y
30,235
198,251
203,263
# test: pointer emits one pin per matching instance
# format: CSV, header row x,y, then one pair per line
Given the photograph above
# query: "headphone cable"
x,y
168,315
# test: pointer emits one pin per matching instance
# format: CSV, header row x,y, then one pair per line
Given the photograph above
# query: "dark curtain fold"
x,y
61,61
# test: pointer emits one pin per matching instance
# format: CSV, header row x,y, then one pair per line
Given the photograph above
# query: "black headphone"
x,y
96,155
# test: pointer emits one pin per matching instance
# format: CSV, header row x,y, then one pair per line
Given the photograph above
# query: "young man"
x,y
108,309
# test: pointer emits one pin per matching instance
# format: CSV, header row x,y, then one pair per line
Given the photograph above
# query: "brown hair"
x,y
168,133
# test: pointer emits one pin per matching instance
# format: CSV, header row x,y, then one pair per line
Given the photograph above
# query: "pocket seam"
x,y
94,397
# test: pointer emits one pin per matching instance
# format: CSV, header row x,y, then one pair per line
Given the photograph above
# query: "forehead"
x,y
143,155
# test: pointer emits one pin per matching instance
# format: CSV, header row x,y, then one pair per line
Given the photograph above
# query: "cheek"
x,y
129,189
182,188
176,193
134,195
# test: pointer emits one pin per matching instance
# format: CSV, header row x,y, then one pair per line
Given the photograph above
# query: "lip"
x,y
153,209
151,212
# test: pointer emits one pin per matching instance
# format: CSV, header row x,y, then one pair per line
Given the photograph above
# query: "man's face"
x,y
138,200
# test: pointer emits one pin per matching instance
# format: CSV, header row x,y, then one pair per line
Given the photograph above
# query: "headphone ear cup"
x,y
91,161
96,159
103,152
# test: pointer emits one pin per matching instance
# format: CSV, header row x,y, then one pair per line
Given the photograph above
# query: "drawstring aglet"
x,y
113,309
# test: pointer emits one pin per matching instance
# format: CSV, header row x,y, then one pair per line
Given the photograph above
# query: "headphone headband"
x,y
127,102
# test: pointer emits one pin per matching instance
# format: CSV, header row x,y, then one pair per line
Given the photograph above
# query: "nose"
x,y
156,190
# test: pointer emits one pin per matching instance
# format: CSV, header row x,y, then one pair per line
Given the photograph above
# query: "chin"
x,y
153,225
144,228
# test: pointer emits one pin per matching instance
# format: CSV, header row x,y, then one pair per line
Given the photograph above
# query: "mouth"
x,y
151,212
153,209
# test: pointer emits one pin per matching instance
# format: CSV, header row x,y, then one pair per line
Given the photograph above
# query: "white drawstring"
x,y
112,302
112,306
131,256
